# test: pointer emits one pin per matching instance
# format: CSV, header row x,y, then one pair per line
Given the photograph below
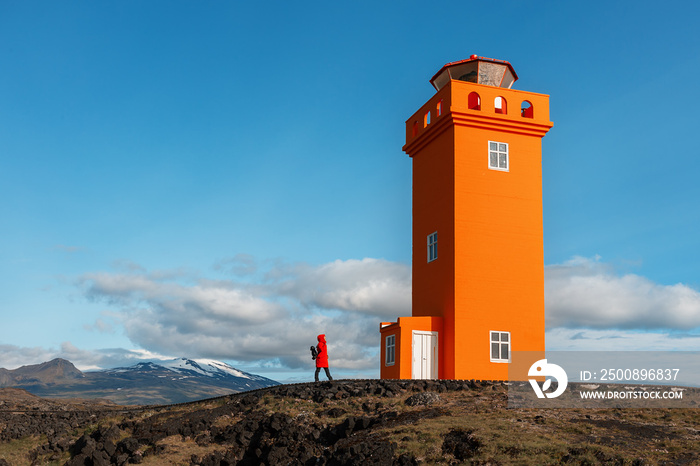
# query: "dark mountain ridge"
x,y
56,370
150,382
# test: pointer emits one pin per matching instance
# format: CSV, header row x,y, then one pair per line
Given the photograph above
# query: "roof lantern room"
x,y
475,69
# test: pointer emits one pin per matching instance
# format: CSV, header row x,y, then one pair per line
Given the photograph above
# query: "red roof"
x,y
475,58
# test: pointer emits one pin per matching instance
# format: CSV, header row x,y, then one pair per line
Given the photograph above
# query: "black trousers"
x,y
328,373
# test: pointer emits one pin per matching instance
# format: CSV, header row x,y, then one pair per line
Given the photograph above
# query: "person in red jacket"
x,y
322,357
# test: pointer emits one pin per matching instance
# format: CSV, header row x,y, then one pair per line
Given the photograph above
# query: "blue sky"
x,y
226,180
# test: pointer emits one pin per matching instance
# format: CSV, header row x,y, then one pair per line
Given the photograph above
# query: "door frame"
x,y
434,361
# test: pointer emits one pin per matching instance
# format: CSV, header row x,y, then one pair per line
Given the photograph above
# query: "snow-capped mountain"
x,y
217,372
207,367
148,382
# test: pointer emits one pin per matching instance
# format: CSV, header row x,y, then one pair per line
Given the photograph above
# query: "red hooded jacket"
x,y
322,357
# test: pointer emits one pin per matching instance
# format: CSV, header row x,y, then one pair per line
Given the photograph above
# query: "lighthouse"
x,y
478,266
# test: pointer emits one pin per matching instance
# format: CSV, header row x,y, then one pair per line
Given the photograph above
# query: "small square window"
x,y
432,247
390,348
500,346
498,156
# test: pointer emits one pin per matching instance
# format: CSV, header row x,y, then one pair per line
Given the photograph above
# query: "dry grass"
x,y
504,436
17,452
178,451
539,437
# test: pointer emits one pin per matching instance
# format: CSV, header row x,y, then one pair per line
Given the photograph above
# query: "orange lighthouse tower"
x,y
478,266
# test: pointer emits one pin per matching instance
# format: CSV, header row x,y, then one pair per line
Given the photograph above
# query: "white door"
x,y
425,355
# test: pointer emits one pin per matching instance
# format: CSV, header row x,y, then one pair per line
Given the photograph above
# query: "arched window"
x,y
499,104
526,110
438,111
474,101
415,129
426,119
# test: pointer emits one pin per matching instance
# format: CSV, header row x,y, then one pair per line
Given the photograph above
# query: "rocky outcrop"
x,y
422,399
257,437
462,444
378,422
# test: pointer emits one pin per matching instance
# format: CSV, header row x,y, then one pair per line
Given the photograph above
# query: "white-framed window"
x,y
498,156
432,247
500,346
390,348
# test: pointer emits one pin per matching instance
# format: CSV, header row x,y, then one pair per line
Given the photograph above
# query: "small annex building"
x,y
478,265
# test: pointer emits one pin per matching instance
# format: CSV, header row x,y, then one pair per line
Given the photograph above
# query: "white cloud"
x,y
585,293
208,300
239,265
12,356
567,339
270,319
273,321
370,286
